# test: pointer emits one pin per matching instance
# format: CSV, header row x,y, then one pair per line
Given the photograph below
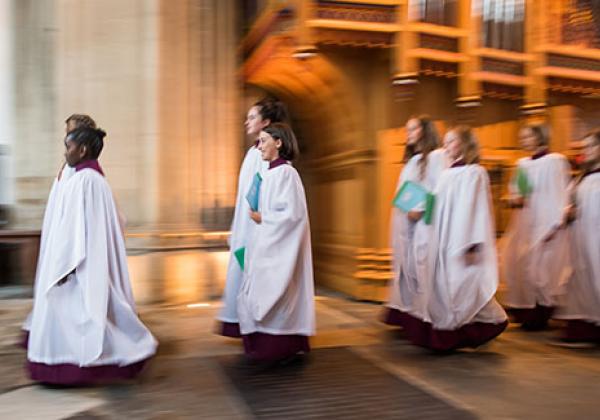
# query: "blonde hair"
x,y
541,131
468,142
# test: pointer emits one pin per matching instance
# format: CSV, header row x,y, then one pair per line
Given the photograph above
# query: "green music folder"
x,y
239,256
523,184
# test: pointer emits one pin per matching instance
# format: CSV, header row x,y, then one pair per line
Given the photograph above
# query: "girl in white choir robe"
x,y
535,254
261,114
462,267
73,122
409,234
276,299
582,304
84,327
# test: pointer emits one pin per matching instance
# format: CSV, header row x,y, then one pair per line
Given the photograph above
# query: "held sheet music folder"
x,y
412,195
239,256
254,192
523,184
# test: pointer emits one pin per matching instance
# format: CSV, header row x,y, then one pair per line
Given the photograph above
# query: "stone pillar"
x,y
537,25
39,130
159,76
7,78
405,69
199,116
107,67
469,90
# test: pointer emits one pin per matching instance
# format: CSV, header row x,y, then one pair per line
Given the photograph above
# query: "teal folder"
x,y
254,192
239,256
411,195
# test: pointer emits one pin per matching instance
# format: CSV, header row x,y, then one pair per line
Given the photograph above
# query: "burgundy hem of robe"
x,y
579,330
229,329
423,334
531,318
73,375
24,340
269,347
69,374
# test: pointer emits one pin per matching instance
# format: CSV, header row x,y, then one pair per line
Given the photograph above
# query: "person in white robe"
x,y
73,122
261,114
535,253
581,308
276,300
84,326
409,234
461,308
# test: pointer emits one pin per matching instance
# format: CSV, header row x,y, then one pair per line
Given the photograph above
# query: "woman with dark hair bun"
x,y
276,299
264,112
84,327
535,255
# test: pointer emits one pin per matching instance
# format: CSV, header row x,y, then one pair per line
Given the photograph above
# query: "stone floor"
x,y
518,376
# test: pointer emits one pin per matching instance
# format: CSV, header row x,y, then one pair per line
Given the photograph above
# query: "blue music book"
x,y
254,192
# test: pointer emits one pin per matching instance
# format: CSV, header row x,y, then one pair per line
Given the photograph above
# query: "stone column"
x,y
537,26
39,131
158,75
469,90
7,78
199,124
107,67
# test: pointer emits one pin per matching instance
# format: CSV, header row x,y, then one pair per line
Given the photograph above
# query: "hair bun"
x,y
101,133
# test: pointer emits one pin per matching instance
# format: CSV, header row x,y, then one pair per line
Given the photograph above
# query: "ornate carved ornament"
x,y
570,62
438,68
500,91
573,86
496,65
353,38
357,12
437,42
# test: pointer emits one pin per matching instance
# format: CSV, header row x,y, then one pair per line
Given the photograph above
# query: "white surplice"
x,y
536,271
583,291
55,191
91,319
277,293
460,293
408,291
241,228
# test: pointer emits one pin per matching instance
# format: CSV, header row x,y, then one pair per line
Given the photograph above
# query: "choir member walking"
x,y
582,305
535,255
424,162
276,299
462,267
260,115
84,326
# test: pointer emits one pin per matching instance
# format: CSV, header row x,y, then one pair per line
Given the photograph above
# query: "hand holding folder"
x,y
411,195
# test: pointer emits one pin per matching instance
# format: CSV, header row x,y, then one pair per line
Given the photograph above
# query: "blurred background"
x,y
171,81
